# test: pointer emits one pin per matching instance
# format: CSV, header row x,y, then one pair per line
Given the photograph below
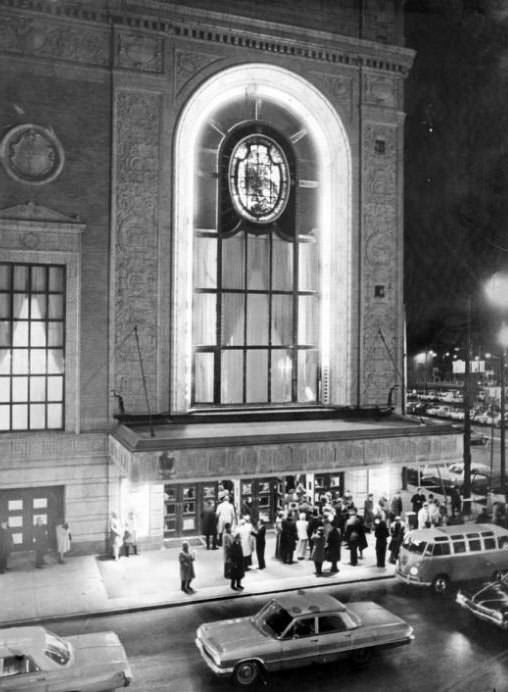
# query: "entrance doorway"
x,y
21,507
180,510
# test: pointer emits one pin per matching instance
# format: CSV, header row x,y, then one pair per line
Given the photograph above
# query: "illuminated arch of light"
x,y
298,96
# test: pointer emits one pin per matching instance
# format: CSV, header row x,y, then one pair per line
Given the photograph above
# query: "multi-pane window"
x,y
32,339
256,282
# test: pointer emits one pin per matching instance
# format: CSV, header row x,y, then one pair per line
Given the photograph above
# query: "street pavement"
x,y
93,585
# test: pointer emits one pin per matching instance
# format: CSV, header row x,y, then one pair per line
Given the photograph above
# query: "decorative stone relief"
x,y
137,124
189,64
380,255
56,40
380,90
339,89
32,154
136,51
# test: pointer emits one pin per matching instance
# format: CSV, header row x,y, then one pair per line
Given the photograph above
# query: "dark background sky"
x,y
456,167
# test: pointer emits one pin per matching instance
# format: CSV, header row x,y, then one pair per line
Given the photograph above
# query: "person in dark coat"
x,y
397,530
5,546
40,538
381,533
288,539
368,513
354,535
315,521
318,550
259,533
417,500
395,506
227,542
209,525
237,571
333,545
186,559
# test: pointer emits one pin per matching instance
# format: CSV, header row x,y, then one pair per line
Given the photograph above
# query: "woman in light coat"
x,y
63,540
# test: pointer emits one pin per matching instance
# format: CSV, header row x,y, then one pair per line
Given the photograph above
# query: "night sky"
x,y
456,168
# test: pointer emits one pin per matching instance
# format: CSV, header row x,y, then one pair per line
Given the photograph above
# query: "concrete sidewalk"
x,y
90,585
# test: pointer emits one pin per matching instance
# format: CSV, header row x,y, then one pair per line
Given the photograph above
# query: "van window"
x,y
459,546
502,542
473,540
414,545
442,549
489,543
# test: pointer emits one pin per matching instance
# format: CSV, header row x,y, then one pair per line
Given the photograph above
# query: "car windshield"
x,y
56,649
414,545
274,618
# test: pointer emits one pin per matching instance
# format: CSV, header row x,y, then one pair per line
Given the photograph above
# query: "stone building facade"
x,y
124,130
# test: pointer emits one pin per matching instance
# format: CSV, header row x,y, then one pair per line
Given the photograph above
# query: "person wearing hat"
x,y
318,550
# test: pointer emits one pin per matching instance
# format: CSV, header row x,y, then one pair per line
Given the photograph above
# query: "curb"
x,y
175,604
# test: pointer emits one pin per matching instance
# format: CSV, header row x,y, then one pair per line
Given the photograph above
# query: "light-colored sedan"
x,y
298,629
33,659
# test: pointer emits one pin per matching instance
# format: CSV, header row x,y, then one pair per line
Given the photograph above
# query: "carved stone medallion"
x,y
32,154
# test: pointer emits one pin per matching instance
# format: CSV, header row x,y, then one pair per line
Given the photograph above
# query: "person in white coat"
x,y
247,539
303,538
424,516
225,515
63,540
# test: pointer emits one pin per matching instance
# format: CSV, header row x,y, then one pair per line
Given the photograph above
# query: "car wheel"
x,y
441,584
246,673
361,657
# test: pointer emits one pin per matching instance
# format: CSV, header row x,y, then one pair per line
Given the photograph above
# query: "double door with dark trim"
x,y
21,507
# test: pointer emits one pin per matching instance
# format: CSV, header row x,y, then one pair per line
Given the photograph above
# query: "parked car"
x,y
487,602
298,629
32,658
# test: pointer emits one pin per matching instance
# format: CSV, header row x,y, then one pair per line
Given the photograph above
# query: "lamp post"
x,y
497,293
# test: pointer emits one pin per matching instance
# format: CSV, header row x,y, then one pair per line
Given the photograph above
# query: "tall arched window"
x,y
256,322
261,309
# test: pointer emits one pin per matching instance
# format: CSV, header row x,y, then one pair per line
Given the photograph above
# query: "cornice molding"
x,y
208,27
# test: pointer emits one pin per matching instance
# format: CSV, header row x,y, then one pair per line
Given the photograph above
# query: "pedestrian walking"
x,y
318,550
209,525
417,500
381,533
303,539
397,530
259,533
115,535
424,516
278,532
130,535
63,540
5,546
186,559
40,539
236,559
395,506
333,548
315,522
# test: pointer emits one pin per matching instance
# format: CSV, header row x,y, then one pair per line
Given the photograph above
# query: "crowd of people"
x,y
304,530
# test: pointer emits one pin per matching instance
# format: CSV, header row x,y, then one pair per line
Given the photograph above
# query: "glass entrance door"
x,y
180,510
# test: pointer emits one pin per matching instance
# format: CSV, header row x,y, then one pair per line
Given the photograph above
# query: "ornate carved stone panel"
x,y
32,154
188,64
135,226
137,51
62,41
338,88
380,252
380,90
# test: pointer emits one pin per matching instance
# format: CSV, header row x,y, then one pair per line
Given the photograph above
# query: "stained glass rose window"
x,y
258,179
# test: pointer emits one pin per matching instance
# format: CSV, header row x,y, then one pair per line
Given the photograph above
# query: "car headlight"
x,y
413,571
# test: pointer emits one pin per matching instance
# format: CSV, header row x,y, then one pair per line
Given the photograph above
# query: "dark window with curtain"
x,y
256,280
32,346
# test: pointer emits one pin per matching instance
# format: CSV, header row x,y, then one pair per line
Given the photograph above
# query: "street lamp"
x,y
496,290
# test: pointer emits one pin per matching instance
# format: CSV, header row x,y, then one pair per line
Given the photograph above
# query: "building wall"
x,y
111,84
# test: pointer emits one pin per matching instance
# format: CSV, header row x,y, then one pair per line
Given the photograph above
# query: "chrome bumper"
x,y
410,579
218,670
